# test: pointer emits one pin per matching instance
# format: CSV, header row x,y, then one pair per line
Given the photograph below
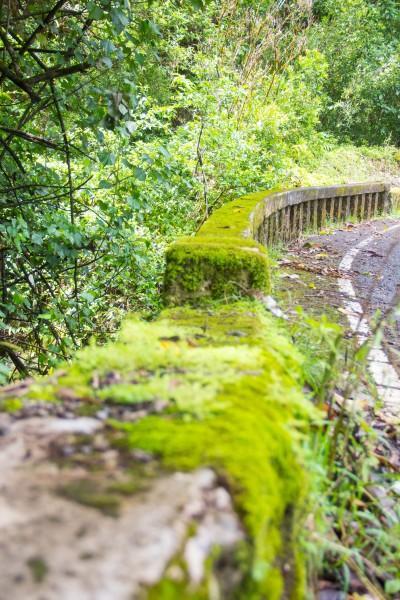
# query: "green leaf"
x,y
133,202
198,4
122,109
130,126
107,61
37,238
107,158
164,152
105,185
119,19
149,29
392,586
95,12
154,28
18,299
139,173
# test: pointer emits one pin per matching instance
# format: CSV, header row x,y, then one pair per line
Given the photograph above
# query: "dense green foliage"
x,y
123,126
361,42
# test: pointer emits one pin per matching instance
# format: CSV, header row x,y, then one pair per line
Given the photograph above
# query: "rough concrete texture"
x,y
53,547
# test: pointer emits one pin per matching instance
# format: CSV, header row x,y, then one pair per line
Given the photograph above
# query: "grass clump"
x,y
353,538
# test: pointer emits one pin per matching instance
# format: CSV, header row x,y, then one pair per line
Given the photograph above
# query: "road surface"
x,y
353,273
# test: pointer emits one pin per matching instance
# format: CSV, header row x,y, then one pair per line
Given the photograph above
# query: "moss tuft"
x,y
86,492
222,260
38,568
203,268
11,405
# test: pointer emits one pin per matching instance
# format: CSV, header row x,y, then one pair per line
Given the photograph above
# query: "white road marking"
x,y
384,374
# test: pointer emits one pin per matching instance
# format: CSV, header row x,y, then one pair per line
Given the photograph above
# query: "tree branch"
x,y
9,74
57,72
12,153
43,24
35,139
10,350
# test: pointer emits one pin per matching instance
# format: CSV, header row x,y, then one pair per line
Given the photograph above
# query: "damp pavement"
x,y
312,267
365,259
375,272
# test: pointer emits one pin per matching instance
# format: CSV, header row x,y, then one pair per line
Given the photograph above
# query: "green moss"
x,y
11,405
38,568
125,488
217,582
42,393
134,393
179,588
232,387
395,198
249,436
238,218
222,260
170,363
249,445
168,589
40,390
202,268
88,493
88,410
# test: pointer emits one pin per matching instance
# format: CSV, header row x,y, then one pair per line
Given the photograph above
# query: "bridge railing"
x,y
228,257
290,213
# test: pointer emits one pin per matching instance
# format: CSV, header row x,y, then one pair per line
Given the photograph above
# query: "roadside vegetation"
x,y
353,529
124,126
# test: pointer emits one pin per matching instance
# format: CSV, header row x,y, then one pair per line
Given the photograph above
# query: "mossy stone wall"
x,y
230,385
227,257
219,386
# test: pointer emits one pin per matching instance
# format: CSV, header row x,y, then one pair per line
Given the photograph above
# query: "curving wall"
x,y
227,257
288,214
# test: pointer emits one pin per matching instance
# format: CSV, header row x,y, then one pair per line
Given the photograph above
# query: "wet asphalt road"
x,y
376,269
375,274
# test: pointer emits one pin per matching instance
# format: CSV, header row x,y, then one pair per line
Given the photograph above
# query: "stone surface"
x,y
52,547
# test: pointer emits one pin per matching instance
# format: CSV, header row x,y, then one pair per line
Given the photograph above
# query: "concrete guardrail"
x,y
228,257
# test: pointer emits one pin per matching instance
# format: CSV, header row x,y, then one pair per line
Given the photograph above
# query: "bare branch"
x,y
32,138
9,74
57,72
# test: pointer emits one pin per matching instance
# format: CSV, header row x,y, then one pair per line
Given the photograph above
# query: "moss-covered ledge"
x,y
217,388
227,257
222,260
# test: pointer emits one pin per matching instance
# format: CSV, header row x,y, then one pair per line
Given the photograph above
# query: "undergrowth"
x,y
353,538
